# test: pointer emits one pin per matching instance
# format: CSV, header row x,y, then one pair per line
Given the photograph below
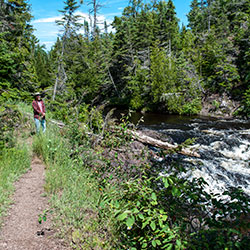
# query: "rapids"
x,y
224,146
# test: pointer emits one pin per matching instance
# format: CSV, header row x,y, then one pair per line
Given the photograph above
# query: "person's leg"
x,y
43,122
37,123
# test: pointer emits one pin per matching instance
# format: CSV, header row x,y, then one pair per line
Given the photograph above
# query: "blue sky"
x,y
45,13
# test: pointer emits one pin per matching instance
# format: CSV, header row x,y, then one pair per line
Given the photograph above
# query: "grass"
x,y
74,194
24,107
13,163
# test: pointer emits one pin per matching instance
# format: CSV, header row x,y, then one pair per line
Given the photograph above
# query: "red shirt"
x,y
37,111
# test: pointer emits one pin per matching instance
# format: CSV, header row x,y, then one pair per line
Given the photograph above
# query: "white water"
x,y
225,152
231,168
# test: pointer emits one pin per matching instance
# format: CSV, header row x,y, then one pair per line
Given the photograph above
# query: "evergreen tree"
x,y
18,76
70,25
43,66
163,77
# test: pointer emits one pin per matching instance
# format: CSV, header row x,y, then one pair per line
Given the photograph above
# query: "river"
x,y
224,146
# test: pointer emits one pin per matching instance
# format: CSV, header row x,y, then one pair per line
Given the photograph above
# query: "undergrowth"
x,y
103,201
14,154
75,194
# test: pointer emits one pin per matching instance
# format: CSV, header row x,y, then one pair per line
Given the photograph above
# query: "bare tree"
x,y
96,6
70,25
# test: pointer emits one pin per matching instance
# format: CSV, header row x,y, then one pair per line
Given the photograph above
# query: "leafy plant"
x,y
9,120
43,217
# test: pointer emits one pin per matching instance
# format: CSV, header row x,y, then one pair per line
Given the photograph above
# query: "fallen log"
x,y
160,144
59,124
139,136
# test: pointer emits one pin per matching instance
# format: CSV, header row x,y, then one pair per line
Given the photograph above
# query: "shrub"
x,y
10,118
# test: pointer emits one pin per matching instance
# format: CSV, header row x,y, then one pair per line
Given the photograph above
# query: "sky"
x,y
45,12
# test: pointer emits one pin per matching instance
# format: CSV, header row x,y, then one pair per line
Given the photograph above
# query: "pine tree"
x,y
43,67
163,79
70,25
17,43
167,29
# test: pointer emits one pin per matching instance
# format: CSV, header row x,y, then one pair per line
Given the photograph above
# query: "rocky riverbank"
x,y
219,106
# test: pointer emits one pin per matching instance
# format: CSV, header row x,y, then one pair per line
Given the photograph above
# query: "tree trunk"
x,y
160,144
59,69
170,54
112,80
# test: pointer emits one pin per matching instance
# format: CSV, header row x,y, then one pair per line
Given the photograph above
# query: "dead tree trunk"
x,y
160,144
112,80
94,10
61,74
139,136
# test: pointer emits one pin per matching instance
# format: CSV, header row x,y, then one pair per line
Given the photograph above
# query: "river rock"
x,y
219,106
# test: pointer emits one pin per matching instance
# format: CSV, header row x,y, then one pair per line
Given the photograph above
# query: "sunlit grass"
x,y
13,163
74,193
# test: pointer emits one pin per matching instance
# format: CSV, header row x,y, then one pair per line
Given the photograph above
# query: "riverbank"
x,y
98,192
220,106
108,192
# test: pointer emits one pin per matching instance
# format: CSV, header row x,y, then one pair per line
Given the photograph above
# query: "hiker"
x,y
39,112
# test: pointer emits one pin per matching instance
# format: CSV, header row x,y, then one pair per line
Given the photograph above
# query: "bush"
x,y
192,108
75,194
10,118
100,202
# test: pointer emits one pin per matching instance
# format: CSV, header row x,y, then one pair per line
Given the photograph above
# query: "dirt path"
x,y
21,230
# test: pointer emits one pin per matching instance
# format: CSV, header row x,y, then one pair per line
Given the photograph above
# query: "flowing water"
x,y
224,146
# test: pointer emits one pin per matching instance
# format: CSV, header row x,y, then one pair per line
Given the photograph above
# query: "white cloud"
x,y
47,31
47,20
49,44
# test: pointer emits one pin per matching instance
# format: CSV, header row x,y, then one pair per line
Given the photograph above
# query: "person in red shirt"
x,y
39,113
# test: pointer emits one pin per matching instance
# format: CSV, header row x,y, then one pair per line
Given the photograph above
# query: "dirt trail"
x,y
21,230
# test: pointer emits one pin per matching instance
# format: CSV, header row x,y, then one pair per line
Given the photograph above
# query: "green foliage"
x,y
175,83
137,208
162,74
42,217
61,111
160,212
17,75
246,101
139,86
219,42
43,67
148,63
227,225
92,117
9,120
74,192
192,107
13,163
118,136
144,221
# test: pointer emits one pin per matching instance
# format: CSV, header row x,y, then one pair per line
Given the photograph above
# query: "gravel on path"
x,y
21,229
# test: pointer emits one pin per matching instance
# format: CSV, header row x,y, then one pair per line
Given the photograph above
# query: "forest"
x,y
147,63
103,186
